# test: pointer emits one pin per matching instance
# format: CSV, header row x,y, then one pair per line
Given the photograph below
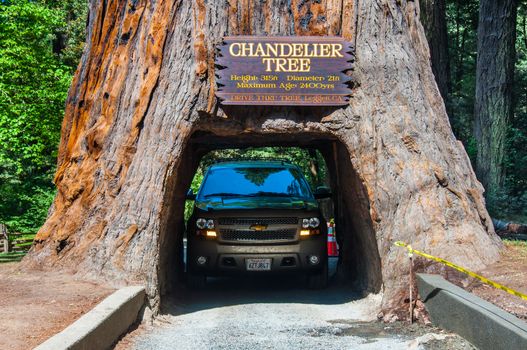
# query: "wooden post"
x,y
4,238
411,290
411,284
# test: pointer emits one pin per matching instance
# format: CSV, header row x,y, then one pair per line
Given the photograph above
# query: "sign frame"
x,y
284,70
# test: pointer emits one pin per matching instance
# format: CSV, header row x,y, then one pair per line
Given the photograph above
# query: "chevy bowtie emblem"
x,y
258,227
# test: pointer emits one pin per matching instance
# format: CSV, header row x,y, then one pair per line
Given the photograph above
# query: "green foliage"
x,y
34,80
516,243
11,257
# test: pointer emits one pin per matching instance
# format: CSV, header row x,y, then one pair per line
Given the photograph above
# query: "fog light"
x,y
202,260
304,232
211,233
313,259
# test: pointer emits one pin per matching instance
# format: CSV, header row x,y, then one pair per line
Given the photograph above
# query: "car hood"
x,y
220,203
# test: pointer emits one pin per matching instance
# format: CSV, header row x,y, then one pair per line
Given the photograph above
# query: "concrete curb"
x,y
102,326
480,322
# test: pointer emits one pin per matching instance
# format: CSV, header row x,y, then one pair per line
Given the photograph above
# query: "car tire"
x,y
196,281
319,279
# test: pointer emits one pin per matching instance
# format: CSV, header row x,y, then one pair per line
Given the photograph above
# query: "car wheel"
x,y
196,281
319,279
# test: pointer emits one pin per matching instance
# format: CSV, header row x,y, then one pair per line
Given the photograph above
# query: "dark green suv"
x,y
256,217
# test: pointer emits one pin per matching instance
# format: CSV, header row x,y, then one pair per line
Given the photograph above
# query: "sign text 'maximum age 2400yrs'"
x,y
284,71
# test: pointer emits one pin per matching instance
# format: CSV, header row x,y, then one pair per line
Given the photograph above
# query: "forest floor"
x,y
36,305
511,271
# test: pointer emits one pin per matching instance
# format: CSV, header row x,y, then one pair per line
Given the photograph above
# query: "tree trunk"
x,y
314,167
141,112
494,77
433,15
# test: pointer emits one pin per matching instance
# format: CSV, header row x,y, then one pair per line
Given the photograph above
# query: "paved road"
x,y
275,313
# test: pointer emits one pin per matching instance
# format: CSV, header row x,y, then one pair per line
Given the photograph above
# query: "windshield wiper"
x,y
256,194
269,194
223,194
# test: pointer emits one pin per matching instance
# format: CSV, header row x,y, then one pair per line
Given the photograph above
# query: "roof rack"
x,y
252,159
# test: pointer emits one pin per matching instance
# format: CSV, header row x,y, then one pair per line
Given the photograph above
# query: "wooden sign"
x,y
287,71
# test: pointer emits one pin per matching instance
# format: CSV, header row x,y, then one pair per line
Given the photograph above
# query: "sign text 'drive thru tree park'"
x,y
287,71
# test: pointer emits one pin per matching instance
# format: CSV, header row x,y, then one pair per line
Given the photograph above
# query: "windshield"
x,y
255,182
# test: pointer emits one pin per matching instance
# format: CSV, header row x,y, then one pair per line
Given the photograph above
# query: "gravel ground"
x,y
275,313
287,326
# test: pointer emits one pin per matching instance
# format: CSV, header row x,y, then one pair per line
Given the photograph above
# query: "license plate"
x,y
258,264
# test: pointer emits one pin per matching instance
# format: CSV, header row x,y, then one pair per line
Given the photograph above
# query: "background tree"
x,y
494,90
462,23
433,17
511,201
70,38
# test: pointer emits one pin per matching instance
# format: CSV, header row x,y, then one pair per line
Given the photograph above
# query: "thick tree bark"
x,y
144,93
494,77
433,16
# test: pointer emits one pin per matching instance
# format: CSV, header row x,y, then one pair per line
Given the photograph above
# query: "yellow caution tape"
x,y
461,269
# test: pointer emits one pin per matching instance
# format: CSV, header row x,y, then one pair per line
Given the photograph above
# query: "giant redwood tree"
x,y
142,110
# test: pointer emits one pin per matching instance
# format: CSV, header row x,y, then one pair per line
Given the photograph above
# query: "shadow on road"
x,y
229,291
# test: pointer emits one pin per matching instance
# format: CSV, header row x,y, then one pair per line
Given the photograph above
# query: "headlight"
x,y
305,223
201,223
204,223
314,222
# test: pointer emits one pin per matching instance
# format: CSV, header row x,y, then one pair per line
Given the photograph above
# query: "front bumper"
x,y
224,259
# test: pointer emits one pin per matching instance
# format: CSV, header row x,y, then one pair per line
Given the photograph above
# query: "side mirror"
x,y
322,192
190,195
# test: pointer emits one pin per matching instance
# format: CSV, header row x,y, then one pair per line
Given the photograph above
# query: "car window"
x,y
255,182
